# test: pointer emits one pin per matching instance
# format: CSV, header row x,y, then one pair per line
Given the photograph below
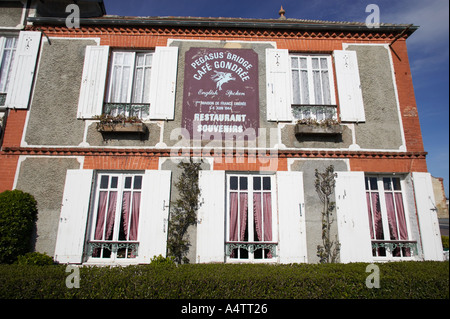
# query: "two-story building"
x,y
262,102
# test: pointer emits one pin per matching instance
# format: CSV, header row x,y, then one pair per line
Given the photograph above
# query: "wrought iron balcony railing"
x,y
394,248
314,112
139,110
251,247
129,249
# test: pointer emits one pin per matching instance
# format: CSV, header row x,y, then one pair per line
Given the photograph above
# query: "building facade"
x,y
262,103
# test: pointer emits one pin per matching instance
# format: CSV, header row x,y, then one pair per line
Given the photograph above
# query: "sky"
x,y
428,47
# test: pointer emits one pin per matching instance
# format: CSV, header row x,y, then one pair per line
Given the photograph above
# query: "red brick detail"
x,y
14,128
250,163
387,165
8,166
407,100
121,162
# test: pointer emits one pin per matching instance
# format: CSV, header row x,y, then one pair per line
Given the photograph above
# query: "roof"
x,y
221,22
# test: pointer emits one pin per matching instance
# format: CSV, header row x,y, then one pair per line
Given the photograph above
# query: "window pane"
x,y
128,182
114,180
326,88
366,180
233,182
317,87
243,183
294,62
396,182
315,63
266,183
104,181
303,63
256,183
387,184
295,87
137,182
304,87
373,183
323,63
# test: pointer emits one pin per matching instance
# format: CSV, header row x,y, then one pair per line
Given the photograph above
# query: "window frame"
x,y
385,218
251,231
92,220
108,100
13,49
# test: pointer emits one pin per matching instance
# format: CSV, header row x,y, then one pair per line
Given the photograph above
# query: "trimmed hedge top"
x,y
399,280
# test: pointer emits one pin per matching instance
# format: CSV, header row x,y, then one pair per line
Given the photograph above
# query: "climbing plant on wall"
x,y
325,184
184,210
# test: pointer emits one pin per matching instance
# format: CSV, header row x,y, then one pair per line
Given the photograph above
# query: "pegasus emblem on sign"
x,y
221,78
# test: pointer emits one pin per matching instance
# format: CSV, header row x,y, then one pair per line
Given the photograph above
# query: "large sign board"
x,y
220,92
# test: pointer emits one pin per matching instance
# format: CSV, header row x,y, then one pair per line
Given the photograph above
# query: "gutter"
x,y
223,24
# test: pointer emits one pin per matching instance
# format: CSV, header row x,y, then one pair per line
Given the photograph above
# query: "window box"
x,y
120,124
139,128
317,129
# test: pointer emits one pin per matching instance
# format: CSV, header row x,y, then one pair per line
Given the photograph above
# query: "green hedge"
x,y
401,280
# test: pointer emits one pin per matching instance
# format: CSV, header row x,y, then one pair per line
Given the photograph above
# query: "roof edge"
x,y
229,23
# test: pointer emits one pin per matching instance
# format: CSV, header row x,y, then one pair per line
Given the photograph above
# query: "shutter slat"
x,y
74,212
163,81
352,218
291,214
93,80
278,85
427,213
211,216
23,69
349,86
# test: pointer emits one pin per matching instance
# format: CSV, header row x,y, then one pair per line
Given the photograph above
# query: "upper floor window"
x,y
313,95
128,91
8,47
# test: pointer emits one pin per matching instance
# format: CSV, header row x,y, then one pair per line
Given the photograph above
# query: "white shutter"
x,y
278,85
427,213
154,214
211,217
163,83
74,212
92,90
291,218
352,218
349,86
22,74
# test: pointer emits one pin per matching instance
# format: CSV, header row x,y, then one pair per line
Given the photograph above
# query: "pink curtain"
x,y
376,211
126,211
135,216
401,216
233,217
111,215
257,213
267,198
100,216
243,214
391,216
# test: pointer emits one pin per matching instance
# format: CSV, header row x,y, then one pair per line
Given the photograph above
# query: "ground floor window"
x,y
250,218
114,230
388,217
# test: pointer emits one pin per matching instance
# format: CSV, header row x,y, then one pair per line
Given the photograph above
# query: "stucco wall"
x,y
53,112
11,13
382,127
44,178
313,205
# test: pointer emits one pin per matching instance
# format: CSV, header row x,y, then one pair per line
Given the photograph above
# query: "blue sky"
x,y
428,47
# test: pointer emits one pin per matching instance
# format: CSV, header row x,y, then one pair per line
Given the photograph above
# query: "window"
x,y
129,84
388,217
114,231
8,47
251,218
313,95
